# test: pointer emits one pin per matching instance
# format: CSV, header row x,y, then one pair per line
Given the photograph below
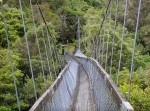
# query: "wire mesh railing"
x,y
61,94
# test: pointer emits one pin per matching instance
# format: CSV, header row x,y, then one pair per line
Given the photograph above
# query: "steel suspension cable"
x,y
10,56
37,42
101,25
54,69
103,46
98,49
134,46
113,40
28,50
108,36
51,51
122,41
48,31
47,57
78,32
92,49
44,19
45,46
49,41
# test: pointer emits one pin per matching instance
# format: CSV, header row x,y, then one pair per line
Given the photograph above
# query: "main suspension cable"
x,y
37,42
101,26
48,31
45,46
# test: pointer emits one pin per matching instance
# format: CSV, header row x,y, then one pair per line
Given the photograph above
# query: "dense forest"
x,y
63,33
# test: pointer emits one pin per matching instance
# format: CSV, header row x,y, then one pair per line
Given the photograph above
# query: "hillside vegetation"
x,y
63,31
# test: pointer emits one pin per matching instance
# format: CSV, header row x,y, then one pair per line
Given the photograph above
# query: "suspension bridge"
x,y
83,84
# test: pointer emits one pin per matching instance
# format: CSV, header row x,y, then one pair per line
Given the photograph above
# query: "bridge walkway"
x,y
83,100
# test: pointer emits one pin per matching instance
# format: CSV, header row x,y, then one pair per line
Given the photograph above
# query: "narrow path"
x,y
83,100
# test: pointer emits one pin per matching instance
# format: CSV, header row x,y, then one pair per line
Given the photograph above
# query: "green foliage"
x,y
20,64
15,28
139,89
7,91
96,3
57,4
91,13
139,98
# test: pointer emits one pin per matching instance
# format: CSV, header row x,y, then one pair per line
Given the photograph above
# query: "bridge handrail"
x,y
122,103
47,95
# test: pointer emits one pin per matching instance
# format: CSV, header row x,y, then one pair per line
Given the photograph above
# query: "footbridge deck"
x,y
83,85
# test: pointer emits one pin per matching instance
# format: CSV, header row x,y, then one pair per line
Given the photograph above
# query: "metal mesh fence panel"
x,y
102,95
62,97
